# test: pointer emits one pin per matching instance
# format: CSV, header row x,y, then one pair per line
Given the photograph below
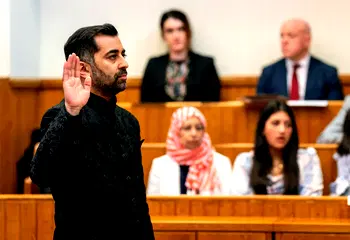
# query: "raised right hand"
x,y
76,93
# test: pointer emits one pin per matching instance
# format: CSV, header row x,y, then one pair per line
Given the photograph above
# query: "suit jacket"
x,y
164,176
202,82
322,81
333,133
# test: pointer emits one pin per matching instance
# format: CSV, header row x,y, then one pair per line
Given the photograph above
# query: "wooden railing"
x,y
201,218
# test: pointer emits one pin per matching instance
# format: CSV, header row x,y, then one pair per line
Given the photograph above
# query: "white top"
x,y
302,72
340,187
310,173
164,176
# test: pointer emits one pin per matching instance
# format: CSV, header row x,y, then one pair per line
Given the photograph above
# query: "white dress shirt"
x,y
302,72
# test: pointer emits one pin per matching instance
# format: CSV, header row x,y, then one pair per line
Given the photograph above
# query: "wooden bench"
x,y
201,218
153,150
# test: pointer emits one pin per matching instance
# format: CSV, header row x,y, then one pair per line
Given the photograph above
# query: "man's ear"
x,y
85,70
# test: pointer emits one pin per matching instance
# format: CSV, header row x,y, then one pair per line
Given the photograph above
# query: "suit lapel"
x,y
310,81
282,78
191,77
162,69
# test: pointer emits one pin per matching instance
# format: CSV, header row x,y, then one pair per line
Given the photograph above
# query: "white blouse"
x,y
310,182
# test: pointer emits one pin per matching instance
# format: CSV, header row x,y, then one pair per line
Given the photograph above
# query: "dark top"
x,y
322,81
92,164
183,175
23,164
202,82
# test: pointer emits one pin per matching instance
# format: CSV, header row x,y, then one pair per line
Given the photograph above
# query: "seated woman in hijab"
x,y
341,186
191,165
277,165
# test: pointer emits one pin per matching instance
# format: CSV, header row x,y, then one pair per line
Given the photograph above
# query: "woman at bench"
x,y
181,74
190,166
277,165
341,186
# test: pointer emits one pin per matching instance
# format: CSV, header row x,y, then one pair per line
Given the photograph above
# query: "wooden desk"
x,y
281,207
233,228
201,218
256,217
228,122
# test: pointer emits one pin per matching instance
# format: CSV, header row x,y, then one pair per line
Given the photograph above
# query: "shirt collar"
x,y
304,62
100,104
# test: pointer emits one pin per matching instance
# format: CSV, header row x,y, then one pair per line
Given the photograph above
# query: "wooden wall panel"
x,y
233,236
233,87
47,99
18,113
229,122
313,236
288,209
175,235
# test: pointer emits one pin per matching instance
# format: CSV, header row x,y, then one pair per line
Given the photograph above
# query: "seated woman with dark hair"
x,y
277,165
180,74
341,186
191,166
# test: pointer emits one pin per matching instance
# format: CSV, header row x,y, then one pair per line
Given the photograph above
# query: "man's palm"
x,y
76,93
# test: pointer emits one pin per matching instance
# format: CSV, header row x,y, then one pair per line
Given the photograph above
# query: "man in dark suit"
x,y
299,75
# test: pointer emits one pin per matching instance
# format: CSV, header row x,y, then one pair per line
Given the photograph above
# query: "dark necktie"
x,y
294,90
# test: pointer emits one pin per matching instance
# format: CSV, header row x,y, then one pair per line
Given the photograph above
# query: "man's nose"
x,y
123,64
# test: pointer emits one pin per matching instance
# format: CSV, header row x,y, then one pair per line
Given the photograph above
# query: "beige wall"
x,y
242,35
5,38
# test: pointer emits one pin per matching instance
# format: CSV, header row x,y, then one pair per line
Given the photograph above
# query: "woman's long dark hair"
x,y
262,160
344,145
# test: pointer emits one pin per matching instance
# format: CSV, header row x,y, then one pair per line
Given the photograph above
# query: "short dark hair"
x,y
262,160
173,13
344,145
82,41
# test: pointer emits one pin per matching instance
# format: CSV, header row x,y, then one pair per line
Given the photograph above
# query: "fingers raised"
x,y
71,67
67,73
77,67
74,62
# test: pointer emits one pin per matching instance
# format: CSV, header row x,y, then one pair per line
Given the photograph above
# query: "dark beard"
x,y
107,85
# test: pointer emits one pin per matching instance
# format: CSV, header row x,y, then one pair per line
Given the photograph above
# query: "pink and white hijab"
x,y
202,175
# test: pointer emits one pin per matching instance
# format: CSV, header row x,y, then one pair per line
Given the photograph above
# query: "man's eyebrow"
x,y
116,51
